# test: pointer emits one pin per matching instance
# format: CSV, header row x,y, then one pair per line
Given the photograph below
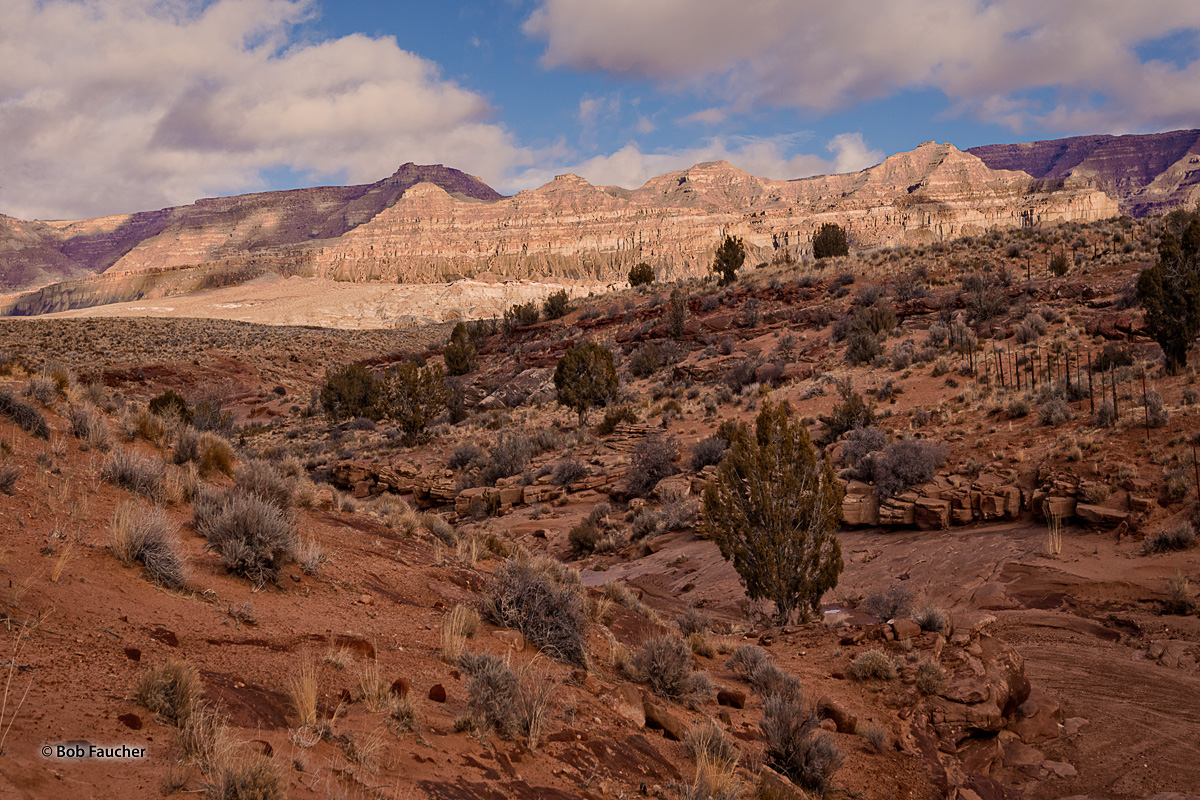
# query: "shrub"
x,y
459,354
133,473
464,455
569,470
652,460
729,259
412,396
746,659
507,457
852,412
796,746
138,534
772,510
263,479
860,442
545,607
862,347
557,305
43,391
1054,412
1156,412
9,474
614,417
930,678
874,664
932,618
1106,415
664,663
26,417
583,538
209,414
641,273
585,378
677,309
520,316
830,240
253,537
170,404
1179,596
646,360
350,391
1114,355
246,778
88,424
902,464
491,692
890,603
171,690
1181,537
707,451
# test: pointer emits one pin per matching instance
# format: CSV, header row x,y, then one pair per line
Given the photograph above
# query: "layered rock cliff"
x,y
434,224
1145,174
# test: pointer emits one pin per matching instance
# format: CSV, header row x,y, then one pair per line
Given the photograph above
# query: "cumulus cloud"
x,y
1069,65
122,105
765,157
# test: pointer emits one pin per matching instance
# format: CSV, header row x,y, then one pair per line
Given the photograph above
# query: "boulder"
x,y
733,698
1038,719
626,700
1101,515
932,514
905,629
658,718
843,720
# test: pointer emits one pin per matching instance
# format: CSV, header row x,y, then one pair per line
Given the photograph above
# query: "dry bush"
x,y
796,746
583,538
253,537
707,740
664,663
544,602
534,692
133,473
302,686
246,778
263,479
1179,596
27,418
311,557
89,425
713,781
9,474
874,664
746,659
653,459
491,692
457,626
932,618
889,603
171,690
148,536
154,429
693,620
1181,537
204,738
930,678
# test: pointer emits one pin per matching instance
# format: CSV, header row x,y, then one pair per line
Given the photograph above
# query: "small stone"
x,y
437,693
732,698
400,687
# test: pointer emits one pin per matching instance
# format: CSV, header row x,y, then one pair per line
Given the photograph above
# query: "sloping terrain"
x,y
1042,643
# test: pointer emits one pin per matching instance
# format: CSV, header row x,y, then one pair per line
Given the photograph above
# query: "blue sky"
x,y
111,106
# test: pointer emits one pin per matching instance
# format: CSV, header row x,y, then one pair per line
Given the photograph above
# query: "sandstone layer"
x,y
436,225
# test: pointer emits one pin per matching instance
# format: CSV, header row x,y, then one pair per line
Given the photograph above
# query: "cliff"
x,y
435,224
1145,174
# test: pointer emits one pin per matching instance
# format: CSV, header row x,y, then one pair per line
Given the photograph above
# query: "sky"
x,y
113,106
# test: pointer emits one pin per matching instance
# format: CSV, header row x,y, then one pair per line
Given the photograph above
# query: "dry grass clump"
x,y
932,618
148,536
9,474
874,664
889,603
796,746
930,677
373,690
133,473
664,663
204,738
502,700
259,477
171,690
707,740
246,778
302,687
457,626
311,557
211,453
252,535
1181,537
89,426
545,602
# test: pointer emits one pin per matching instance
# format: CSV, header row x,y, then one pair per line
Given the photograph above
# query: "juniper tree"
x,y
772,509
1169,291
586,378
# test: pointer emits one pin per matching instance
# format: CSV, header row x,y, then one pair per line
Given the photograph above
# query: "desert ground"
x,y
1026,599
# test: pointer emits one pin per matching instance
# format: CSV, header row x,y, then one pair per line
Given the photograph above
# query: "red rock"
x,y
843,720
437,693
133,654
659,718
732,698
905,629
131,721
400,687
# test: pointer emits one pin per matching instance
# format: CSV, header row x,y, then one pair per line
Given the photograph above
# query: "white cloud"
x,y
987,57
630,167
122,105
